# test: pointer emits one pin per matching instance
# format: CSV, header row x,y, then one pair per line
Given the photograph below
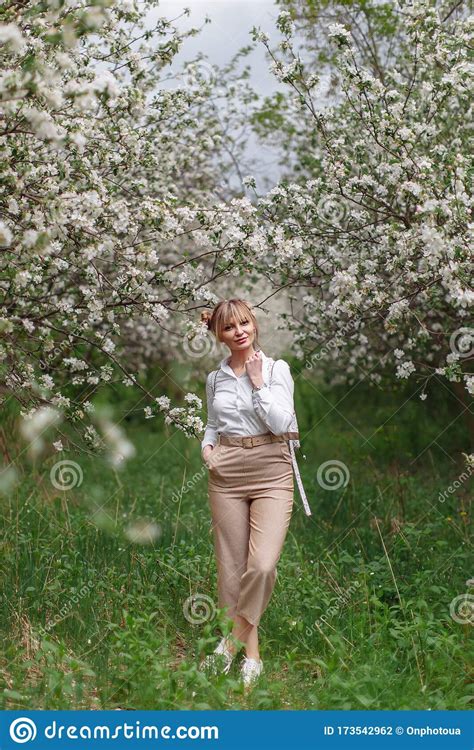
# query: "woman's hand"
x,y
253,365
206,452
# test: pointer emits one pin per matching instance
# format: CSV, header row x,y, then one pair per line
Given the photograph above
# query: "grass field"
x,y
360,616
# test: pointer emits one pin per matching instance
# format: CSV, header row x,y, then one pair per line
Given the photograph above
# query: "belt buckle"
x,y
247,445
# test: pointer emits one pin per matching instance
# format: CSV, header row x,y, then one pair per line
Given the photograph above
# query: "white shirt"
x,y
237,410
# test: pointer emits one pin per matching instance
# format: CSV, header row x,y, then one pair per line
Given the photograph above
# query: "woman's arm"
x,y
275,405
210,433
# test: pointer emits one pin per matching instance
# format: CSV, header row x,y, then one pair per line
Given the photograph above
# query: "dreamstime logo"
x,y
332,475
217,454
461,342
199,608
65,475
199,346
198,73
60,349
456,484
213,461
343,601
22,730
461,609
66,608
190,484
331,209
333,343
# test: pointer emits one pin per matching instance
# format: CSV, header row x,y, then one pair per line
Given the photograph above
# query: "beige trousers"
x,y
251,501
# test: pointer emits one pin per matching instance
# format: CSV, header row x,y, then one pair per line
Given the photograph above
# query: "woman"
x,y
250,482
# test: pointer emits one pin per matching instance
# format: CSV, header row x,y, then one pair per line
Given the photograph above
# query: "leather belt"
x,y
251,441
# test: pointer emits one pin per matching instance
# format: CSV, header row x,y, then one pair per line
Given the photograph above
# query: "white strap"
x,y
292,443
307,509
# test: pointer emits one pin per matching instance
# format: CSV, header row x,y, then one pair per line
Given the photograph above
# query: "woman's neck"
x,y
236,360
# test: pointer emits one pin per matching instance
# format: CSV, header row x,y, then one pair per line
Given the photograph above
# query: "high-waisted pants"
x,y
251,500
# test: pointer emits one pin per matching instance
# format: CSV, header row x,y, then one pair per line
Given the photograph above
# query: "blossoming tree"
x,y
109,172
375,223
114,226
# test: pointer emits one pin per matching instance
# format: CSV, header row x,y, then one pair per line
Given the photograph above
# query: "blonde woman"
x,y
250,480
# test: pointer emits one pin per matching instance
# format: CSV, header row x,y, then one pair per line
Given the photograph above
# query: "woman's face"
x,y
238,334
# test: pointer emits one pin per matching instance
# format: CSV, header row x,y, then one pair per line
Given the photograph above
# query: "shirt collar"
x,y
226,367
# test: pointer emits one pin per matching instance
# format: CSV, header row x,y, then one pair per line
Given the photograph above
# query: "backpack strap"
x,y
292,444
271,372
296,443
215,373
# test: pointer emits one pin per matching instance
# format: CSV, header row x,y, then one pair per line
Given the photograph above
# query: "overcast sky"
x,y
231,22
220,40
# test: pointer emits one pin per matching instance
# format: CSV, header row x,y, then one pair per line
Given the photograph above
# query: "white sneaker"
x,y
250,670
220,660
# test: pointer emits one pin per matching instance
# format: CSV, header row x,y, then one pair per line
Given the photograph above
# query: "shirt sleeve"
x,y
274,405
210,433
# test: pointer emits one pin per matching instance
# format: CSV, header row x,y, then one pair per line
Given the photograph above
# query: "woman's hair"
x,y
223,313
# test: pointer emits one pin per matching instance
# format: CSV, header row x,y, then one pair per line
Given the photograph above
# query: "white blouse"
x,y
235,409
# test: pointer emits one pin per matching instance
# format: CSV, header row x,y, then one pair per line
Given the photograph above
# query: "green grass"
x,y
360,616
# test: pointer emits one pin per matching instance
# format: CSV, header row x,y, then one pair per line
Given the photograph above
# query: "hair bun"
x,y
206,316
